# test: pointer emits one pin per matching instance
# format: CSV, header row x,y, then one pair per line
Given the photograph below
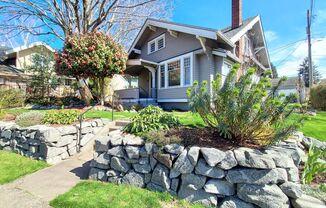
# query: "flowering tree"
x,y
91,55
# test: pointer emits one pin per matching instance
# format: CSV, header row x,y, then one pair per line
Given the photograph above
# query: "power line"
x,y
288,56
286,46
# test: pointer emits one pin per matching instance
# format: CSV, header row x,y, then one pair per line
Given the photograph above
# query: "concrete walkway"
x,y
38,189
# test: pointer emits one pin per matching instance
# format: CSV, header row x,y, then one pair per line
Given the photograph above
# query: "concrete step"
x,y
121,123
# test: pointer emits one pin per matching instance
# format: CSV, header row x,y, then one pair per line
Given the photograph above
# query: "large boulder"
x,y
193,155
204,169
192,181
134,179
252,176
116,151
228,162
119,164
102,144
220,187
264,196
234,202
199,196
132,152
160,176
165,159
253,158
182,165
306,201
174,148
146,168
212,156
103,161
292,190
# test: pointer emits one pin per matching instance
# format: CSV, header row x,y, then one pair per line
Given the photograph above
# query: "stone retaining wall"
x,y
52,144
236,178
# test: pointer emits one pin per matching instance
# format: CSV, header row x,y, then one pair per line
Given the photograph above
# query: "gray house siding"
x,y
172,93
174,46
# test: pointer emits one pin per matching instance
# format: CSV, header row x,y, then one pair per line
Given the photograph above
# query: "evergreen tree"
x,y
304,72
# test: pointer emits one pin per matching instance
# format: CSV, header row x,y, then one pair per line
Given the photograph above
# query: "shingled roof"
x,y
10,70
229,32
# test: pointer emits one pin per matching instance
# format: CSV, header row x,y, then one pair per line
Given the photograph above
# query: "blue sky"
x,y
284,22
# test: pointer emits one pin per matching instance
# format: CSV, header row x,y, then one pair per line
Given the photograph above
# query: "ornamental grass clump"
x,y
242,110
29,118
151,118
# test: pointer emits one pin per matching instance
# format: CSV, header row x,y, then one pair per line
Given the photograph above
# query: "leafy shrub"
x,y
58,101
10,98
318,97
29,118
61,117
151,118
242,110
313,167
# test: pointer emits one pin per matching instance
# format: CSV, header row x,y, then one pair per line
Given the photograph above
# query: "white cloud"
x,y
270,36
288,61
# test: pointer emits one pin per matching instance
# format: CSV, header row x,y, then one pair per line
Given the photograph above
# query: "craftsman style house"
x,y
166,57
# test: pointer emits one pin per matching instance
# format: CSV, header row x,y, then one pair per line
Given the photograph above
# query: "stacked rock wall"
x,y
235,178
51,144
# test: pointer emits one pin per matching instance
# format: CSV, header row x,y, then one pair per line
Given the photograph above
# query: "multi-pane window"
x,y
187,70
160,43
152,47
156,44
174,73
162,76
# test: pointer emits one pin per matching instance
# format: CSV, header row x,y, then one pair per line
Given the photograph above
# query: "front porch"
x,y
141,76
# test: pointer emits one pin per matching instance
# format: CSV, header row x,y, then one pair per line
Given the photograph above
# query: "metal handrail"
x,y
81,119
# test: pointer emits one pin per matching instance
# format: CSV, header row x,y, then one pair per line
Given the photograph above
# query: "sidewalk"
x,y
38,189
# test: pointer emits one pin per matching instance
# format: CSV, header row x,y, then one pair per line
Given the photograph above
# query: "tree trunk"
x,y
85,92
101,80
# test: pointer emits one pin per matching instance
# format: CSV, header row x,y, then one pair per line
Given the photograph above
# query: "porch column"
x,y
152,70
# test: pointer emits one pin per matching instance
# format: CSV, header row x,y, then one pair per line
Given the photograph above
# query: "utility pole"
x,y
309,16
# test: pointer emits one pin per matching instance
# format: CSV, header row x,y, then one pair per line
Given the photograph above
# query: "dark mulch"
x,y
204,137
319,179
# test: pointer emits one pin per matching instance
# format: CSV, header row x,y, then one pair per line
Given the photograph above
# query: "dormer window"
x,y
156,44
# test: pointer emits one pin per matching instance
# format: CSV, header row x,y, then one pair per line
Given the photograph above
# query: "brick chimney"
x,y
236,13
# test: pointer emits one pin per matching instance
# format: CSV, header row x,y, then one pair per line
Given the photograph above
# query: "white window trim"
x,y
155,40
181,59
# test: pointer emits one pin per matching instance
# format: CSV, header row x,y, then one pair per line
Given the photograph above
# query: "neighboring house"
x,y
291,86
167,57
15,61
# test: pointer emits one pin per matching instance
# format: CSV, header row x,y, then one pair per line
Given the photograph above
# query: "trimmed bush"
x,y
61,117
151,118
29,118
318,97
11,98
242,110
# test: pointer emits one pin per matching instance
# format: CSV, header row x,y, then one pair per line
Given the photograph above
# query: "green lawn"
x,y
91,194
13,166
315,126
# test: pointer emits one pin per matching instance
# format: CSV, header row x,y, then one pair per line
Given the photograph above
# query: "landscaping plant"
x,y
93,55
29,118
151,118
318,97
243,110
61,117
10,98
313,167
43,76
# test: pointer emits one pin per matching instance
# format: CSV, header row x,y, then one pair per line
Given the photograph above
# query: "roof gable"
x,y
188,29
